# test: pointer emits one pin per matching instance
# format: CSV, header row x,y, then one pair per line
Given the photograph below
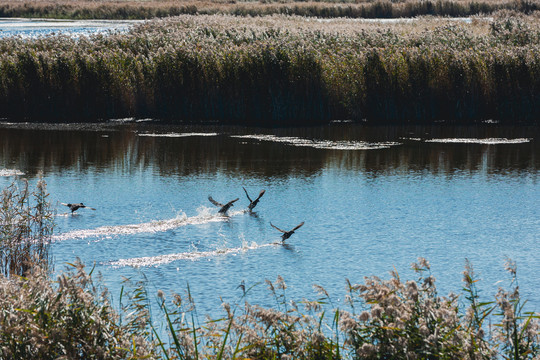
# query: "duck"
x,y
224,207
75,207
287,234
253,203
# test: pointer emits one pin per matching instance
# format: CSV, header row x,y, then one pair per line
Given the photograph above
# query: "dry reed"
x,y
82,9
280,71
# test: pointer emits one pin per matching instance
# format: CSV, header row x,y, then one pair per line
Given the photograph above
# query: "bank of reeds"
x,y
82,9
280,71
382,319
26,225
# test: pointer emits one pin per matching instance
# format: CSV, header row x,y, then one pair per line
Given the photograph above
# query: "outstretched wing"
x,y
247,194
278,229
214,201
298,226
233,201
261,194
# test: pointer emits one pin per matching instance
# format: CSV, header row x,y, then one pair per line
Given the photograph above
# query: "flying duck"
x,y
75,207
225,207
287,234
253,203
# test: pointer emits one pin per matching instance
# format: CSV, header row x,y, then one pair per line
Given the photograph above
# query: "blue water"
x,y
394,195
31,28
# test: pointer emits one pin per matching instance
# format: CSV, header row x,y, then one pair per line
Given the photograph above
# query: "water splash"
x,y
487,141
193,256
11,172
204,216
321,144
177,135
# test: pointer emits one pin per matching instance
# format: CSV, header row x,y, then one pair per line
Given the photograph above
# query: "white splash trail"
x,y
149,227
320,144
487,141
168,258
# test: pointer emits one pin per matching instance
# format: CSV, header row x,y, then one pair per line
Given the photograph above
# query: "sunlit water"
x,y
373,200
31,28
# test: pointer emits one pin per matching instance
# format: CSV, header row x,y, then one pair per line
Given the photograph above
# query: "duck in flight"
x,y
287,234
253,203
224,207
75,207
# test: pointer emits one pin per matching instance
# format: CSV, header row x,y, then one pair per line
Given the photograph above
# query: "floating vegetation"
x,y
280,71
320,144
10,172
177,135
489,141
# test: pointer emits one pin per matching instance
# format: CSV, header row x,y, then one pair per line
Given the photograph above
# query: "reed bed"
x,y
280,70
383,319
26,226
82,9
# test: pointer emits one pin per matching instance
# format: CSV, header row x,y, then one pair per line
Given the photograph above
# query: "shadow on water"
x,y
174,151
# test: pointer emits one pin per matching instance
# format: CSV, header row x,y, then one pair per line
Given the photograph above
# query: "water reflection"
x,y
228,150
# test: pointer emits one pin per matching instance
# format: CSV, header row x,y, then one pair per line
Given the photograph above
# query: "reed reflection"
x,y
125,150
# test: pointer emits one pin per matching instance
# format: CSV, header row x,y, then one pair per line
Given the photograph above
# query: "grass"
x,y
83,9
280,71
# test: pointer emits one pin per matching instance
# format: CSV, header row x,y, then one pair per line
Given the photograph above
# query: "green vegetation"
x,y
103,9
280,71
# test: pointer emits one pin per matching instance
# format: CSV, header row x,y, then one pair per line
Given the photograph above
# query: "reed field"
x,y
147,9
280,70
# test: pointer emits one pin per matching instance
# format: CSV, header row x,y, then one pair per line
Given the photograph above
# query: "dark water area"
x,y
372,198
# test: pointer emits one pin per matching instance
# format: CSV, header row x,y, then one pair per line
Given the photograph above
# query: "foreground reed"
x,y
26,226
280,71
385,319
104,9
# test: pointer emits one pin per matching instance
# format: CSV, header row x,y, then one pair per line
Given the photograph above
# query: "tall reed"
x,y
280,71
82,9
26,225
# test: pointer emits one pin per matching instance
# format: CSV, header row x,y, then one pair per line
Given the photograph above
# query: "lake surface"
x,y
372,198
42,27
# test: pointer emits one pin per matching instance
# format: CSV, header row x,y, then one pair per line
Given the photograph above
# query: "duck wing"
x,y
298,226
247,194
233,201
214,201
260,195
278,229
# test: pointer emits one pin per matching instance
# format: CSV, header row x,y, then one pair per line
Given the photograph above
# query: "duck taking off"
x,y
287,234
75,207
253,203
225,207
